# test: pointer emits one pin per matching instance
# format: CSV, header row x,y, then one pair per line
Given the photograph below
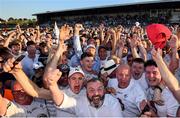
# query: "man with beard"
x,y
95,104
130,92
137,70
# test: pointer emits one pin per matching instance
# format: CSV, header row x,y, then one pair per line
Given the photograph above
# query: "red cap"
x,y
158,34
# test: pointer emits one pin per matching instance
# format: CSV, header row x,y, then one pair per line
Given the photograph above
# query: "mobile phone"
x,y
18,59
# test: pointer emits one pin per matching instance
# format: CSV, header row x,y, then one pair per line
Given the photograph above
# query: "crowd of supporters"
x,y
109,68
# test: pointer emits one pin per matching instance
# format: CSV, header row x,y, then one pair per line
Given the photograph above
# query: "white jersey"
x,y
112,82
82,108
89,76
143,83
35,109
170,106
68,92
131,97
27,65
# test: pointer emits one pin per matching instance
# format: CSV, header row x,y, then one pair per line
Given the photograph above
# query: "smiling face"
x,y
153,75
16,49
137,70
102,53
95,93
87,63
76,82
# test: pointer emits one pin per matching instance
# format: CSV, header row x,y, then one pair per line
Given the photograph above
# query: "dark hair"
x,y
150,63
102,47
5,53
15,42
43,44
31,43
138,60
94,80
85,54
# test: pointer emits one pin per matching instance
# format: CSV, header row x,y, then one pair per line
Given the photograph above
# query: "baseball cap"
x,y
158,34
74,70
90,46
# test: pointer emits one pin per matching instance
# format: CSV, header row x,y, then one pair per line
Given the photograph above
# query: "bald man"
x,y
129,91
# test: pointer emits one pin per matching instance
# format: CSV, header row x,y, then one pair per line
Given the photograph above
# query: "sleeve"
x,y
171,104
69,104
77,46
14,111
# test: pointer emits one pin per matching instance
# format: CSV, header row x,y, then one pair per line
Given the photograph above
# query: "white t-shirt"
x,y
131,97
170,106
82,108
68,92
36,109
112,82
27,65
143,83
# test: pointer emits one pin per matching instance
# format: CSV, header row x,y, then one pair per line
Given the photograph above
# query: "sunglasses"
x,y
18,91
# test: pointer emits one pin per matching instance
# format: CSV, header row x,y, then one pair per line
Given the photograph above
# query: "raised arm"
x,y
52,64
174,63
142,49
29,87
133,43
114,41
9,38
101,29
167,76
76,40
3,106
38,35
57,94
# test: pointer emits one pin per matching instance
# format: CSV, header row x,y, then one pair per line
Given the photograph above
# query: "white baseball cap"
x,y
90,46
74,70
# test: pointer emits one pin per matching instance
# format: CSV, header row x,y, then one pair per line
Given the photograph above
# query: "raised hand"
x,y
52,76
101,27
37,27
173,43
65,32
77,28
10,67
111,31
156,55
133,42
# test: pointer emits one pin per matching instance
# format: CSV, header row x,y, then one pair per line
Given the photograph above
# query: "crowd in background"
x,y
94,68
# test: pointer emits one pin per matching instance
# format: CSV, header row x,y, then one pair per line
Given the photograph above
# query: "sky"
x,y
25,8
